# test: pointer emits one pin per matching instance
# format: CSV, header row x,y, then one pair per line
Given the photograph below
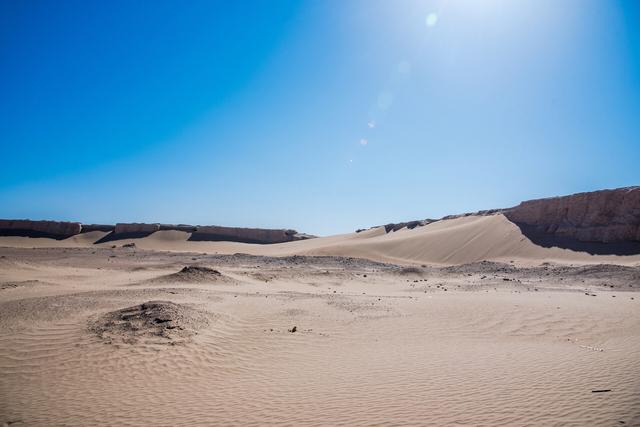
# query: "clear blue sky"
x,y
324,116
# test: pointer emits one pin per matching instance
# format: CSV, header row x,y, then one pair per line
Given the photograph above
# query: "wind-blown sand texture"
x,y
95,335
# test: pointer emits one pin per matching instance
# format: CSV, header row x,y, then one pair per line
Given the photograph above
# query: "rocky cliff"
x,y
180,227
86,228
246,235
600,216
63,230
52,229
136,228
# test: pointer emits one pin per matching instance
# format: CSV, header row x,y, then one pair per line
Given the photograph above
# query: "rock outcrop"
x,y
63,230
51,229
180,227
245,235
152,322
136,228
604,216
86,228
410,225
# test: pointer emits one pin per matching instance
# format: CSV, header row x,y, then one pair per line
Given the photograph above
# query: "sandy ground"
x,y
128,336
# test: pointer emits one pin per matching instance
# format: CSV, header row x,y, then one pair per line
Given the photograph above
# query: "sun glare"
x,y
431,20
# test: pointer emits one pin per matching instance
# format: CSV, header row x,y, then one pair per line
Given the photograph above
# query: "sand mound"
x,y
156,322
194,274
197,272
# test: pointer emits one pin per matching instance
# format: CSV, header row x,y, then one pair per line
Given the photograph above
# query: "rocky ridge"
x,y
64,229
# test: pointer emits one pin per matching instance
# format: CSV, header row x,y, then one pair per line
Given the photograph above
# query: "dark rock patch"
x,y
194,274
156,322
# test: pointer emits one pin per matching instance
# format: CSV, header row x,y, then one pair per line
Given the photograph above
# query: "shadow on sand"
x,y
32,233
547,240
195,237
122,236
215,237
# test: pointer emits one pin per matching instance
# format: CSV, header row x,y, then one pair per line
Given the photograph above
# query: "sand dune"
x,y
460,241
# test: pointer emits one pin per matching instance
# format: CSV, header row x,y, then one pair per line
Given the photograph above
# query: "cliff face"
x,y
52,229
122,228
246,235
86,228
63,230
600,216
180,227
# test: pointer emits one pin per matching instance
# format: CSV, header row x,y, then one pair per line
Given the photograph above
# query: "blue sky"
x,y
324,116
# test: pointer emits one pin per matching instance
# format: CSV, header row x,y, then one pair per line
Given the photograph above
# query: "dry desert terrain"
x,y
460,322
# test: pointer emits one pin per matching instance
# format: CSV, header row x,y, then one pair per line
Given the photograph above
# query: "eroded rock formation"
x,y
246,235
180,227
410,225
136,228
600,216
86,228
52,229
63,230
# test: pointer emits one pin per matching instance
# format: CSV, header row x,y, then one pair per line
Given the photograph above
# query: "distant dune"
x,y
601,226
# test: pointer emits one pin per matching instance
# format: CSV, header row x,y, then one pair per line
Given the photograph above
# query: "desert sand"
x,y
460,322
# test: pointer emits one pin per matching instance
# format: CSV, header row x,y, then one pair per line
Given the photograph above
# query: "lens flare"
x,y
432,19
